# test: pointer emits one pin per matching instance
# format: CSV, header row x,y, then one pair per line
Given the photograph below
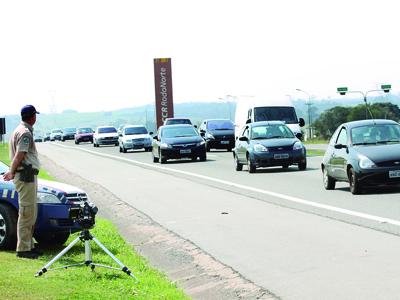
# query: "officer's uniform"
x,y
22,141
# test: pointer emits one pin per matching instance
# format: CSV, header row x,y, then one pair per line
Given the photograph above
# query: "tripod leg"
x,y
123,267
88,253
58,256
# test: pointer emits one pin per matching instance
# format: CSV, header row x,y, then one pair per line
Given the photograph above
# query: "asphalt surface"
x,y
278,228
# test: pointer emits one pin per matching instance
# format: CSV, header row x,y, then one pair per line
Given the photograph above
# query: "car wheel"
x,y
250,166
302,165
238,165
52,239
76,142
124,149
120,149
208,148
229,149
355,186
285,166
194,158
329,181
163,160
116,144
8,227
203,157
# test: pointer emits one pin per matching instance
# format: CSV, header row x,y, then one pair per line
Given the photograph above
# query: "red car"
x,y
84,134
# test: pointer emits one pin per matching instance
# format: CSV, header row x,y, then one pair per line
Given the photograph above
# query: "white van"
x,y
250,109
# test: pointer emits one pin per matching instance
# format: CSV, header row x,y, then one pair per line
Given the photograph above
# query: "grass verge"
x,y
18,281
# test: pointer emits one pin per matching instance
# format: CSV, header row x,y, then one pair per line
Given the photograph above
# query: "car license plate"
x,y
281,156
224,142
394,174
185,151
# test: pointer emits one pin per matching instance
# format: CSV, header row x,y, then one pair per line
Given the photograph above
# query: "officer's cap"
x,y
28,110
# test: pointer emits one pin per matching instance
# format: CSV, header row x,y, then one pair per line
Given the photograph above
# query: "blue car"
x,y
268,144
53,224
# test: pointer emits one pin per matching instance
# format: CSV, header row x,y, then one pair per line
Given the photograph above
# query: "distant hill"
x,y
196,111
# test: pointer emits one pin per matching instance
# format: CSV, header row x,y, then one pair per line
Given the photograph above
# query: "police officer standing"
x,y
23,171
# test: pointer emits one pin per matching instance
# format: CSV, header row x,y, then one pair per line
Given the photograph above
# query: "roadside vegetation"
x,y
18,281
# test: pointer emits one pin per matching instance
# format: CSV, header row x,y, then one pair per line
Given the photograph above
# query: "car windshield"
x,y
220,125
69,130
107,130
85,130
56,131
135,130
178,131
178,121
271,132
375,134
286,114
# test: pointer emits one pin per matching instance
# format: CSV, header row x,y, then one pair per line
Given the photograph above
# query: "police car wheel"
x,y
8,227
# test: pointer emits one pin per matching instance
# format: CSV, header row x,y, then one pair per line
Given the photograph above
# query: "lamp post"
x,y
384,88
308,103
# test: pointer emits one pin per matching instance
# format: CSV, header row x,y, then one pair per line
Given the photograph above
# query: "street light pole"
x,y
308,103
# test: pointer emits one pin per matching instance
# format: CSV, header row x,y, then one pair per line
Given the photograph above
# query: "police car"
x,y
53,224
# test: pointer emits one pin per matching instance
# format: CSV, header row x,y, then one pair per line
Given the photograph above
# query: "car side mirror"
x,y
340,146
243,139
155,137
120,134
301,122
202,133
151,133
299,135
195,126
248,121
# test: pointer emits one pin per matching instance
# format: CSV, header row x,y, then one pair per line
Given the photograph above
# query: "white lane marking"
x,y
252,189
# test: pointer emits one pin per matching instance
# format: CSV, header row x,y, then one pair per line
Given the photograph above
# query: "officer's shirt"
x,y
22,141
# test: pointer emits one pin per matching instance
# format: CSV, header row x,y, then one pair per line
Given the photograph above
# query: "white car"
x,y
134,137
56,134
105,135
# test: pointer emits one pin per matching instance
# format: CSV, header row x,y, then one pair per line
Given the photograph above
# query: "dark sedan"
x,y
178,141
268,144
218,134
363,153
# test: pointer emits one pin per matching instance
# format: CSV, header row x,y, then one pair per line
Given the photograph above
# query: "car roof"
x,y
208,120
133,126
105,126
176,125
264,123
354,124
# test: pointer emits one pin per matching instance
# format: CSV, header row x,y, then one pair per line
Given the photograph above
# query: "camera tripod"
x,y
85,237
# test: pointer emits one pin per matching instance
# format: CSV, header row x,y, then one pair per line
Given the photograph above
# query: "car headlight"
x,y
297,146
200,143
210,136
47,198
365,162
165,146
260,148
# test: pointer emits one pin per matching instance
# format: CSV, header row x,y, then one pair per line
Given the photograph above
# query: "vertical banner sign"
x,y
163,85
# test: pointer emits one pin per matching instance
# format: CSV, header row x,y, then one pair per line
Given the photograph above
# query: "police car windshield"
x,y
107,130
135,130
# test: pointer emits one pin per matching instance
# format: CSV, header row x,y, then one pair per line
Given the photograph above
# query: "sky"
x,y
98,55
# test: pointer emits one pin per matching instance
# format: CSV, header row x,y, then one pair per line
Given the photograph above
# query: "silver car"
x,y
134,137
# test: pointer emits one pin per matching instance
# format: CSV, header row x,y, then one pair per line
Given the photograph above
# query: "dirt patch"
x,y
196,272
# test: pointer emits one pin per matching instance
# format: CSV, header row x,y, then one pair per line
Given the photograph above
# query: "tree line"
x,y
330,119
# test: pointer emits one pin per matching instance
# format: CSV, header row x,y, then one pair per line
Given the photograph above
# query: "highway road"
x,y
278,228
